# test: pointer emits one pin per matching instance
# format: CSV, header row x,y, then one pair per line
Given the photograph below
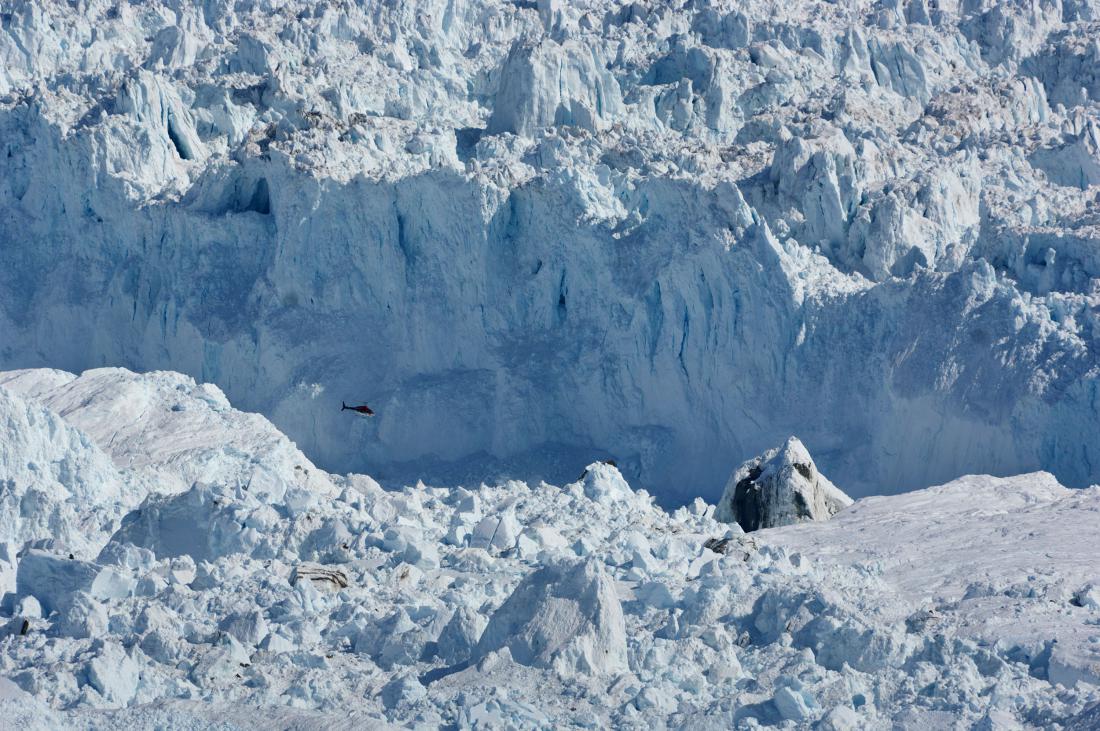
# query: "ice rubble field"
x,y
676,231
169,561
532,234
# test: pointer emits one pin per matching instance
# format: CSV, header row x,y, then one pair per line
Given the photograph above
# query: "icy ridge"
x,y
675,232
519,605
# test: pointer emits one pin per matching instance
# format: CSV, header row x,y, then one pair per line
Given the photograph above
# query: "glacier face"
x,y
534,233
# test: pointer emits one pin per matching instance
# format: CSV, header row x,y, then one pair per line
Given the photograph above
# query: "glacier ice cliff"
x,y
534,234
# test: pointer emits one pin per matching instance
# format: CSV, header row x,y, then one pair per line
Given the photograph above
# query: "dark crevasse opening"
x,y
182,148
259,201
466,139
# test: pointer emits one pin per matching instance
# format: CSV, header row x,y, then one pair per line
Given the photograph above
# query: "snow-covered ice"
x,y
270,593
676,232
652,237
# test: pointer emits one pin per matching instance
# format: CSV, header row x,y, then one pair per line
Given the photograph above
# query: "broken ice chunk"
x,y
780,487
566,616
53,579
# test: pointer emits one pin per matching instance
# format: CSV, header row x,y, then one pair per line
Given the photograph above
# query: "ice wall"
x,y
530,235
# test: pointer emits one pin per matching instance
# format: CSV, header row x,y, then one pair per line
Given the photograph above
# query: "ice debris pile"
x,y
669,230
780,487
172,562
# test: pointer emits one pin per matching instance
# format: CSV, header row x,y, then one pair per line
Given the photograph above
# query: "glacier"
x,y
535,234
219,579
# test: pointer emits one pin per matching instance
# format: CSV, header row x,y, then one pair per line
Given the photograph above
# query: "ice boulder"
x,y
792,704
565,616
497,532
194,523
83,617
460,635
396,640
114,673
603,482
1088,596
248,626
53,580
403,690
779,487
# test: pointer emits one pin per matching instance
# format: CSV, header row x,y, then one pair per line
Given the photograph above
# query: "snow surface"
x,y
535,234
267,593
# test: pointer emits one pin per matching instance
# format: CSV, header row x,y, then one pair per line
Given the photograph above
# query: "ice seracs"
x,y
57,484
315,599
645,223
780,487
